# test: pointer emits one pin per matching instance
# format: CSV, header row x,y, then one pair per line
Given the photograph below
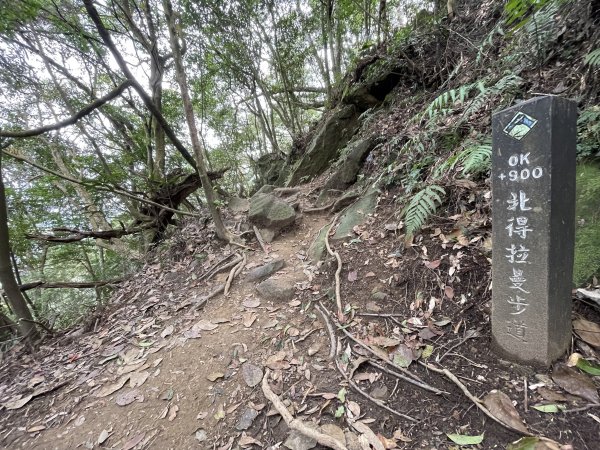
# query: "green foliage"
x,y
519,12
588,133
587,235
593,58
421,206
476,159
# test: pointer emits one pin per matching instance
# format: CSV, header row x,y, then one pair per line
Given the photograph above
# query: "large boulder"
x,y
331,136
351,161
268,211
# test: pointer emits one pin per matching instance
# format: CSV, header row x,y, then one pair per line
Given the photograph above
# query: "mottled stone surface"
x,y
533,187
262,272
268,211
356,214
331,136
277,290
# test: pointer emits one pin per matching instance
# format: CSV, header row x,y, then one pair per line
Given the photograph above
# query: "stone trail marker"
x,y
533,187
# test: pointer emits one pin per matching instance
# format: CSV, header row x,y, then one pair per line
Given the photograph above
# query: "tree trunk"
x,y
222,232
7,277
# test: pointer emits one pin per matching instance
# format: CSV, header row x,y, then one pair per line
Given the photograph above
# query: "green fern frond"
x,y
423,204
510,83
593,58
476,159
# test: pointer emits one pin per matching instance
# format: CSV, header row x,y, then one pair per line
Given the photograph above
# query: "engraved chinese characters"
x,y
533,187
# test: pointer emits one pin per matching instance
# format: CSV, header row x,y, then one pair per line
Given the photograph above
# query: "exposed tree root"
x,y
338,296
332,340
297,424
260,240
233,273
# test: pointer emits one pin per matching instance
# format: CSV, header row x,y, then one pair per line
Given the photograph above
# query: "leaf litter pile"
x,y
384,345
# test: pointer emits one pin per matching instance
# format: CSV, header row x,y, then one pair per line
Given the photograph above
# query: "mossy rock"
x,y
356,214
587,234
331,136
268,211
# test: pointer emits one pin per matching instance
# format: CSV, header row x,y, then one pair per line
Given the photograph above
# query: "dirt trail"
x,y
190,378
178,399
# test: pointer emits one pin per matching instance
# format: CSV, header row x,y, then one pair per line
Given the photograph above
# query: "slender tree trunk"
x,y
7,277
222,232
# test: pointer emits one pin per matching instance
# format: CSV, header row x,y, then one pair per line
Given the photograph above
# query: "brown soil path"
x,y
177,399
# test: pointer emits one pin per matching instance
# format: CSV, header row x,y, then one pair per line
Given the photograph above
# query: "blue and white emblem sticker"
x,y
520,125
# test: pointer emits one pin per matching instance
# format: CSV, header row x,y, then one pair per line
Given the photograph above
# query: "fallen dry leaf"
x,y
205,325
449,292
138,378
134,441
384,341
104,435
17,402
36,428
251,302
501,407
111,388
368,434
587,331
353,275
126,398
432,264
214,376
173,413
167,331
575,383
246,440
248,319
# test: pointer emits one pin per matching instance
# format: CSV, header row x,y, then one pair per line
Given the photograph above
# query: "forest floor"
x,y
153,370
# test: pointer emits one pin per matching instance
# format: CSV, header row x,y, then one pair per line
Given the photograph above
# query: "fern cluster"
x,y
593,58
422,205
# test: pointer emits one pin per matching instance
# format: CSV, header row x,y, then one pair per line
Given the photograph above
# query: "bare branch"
x,y
71,120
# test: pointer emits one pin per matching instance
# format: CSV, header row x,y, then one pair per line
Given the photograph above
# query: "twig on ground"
x,y
407,379
583,408
297,424
368,397
471,397
370,350
332,343
260,240
525,397
338,296
381,315
200,303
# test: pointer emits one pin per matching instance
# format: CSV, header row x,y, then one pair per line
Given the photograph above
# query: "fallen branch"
x,y
372,399
260,239
477,402
407,379
297,424
67,284
338,296
332,341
